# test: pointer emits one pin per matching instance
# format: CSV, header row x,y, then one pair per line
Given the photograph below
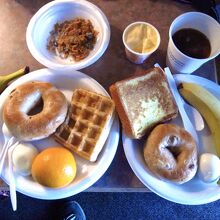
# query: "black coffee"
x,y
192,43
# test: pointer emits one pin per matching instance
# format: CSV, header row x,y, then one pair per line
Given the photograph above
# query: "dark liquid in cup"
x,y
192,43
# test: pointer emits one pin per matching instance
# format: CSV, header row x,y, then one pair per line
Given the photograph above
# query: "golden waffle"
x,y
87,124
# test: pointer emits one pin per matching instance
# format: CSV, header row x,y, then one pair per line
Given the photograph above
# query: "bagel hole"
x,y
172,140
175,151
37,108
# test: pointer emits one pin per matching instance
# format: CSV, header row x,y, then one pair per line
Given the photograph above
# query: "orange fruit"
x,y
54,167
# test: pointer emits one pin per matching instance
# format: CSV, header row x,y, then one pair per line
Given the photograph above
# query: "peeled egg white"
x,y
209,167
22,158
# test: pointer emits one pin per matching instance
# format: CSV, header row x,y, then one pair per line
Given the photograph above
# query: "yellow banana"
x,y
4,80
208,105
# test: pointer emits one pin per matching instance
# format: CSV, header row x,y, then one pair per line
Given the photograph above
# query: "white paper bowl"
x,y
42,23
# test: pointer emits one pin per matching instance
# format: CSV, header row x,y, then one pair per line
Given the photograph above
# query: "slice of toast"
x,y
143,102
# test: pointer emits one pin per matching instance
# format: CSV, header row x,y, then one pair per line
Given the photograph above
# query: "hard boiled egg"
x,y
209,167
22,158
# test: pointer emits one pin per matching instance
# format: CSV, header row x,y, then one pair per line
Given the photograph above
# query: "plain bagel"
x,y
171,153
25,98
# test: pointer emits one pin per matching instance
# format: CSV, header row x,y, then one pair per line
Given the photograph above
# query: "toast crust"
x,y
121,112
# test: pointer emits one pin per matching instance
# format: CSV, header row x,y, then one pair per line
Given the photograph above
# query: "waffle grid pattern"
x,y
87,117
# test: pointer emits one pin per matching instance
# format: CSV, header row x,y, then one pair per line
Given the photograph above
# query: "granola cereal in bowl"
x,y
68,34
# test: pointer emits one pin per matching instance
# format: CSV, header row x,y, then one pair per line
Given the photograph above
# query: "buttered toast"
x,y
143,101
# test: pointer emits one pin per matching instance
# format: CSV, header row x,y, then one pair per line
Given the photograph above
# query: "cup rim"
x,y
133,24
171,38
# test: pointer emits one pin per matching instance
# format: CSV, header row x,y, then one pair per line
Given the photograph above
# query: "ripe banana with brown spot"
x,y
208,105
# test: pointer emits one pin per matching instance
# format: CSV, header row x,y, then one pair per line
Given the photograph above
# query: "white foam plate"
x,y
87,172
194,192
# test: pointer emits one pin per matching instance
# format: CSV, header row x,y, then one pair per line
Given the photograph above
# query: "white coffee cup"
x,y
177,61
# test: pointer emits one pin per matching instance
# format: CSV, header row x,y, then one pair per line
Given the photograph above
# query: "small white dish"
x,y
42,23
153,36
87,172
194,192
